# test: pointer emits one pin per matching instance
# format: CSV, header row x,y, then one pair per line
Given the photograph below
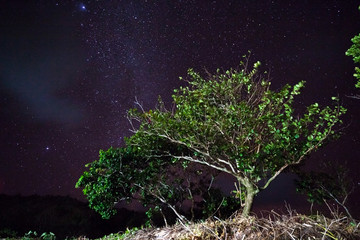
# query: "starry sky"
x,y
70,69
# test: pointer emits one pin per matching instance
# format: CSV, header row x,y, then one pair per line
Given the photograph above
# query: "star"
x,y
82,7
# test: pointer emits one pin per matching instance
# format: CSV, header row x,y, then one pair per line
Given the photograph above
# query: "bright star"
x,y
82,7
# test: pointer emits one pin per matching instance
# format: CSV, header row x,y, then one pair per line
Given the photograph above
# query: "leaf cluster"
x,y
117,175
354,52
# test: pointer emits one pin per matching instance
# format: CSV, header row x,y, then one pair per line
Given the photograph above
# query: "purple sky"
x,y
71,69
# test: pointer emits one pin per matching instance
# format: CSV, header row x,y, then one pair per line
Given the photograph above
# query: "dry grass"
x,y
274,226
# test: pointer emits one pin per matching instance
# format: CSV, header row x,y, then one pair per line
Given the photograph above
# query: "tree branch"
x,y
182,218
297,162
203,163
233,171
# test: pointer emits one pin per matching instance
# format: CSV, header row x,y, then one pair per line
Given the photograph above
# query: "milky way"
x,y
71,69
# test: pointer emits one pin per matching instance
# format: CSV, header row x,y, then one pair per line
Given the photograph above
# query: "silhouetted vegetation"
x,y
63,216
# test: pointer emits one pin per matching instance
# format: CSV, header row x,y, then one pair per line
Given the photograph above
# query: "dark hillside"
x,y
63,216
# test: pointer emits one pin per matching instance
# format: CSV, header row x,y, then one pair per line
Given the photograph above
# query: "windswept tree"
x,y
230,123
234,123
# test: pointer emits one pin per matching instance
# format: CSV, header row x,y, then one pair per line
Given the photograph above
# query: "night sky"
x,y
69,70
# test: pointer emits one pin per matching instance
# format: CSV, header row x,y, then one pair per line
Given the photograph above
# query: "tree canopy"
x,y
230,122
235,123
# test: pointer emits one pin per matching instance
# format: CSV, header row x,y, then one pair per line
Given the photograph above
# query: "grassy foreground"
x,y
275,226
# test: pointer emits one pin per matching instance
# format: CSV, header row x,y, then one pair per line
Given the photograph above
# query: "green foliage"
x,y
117,175
48,236
233,122
124,174
33,235
30,235
125,235
354,52
7,233
224,119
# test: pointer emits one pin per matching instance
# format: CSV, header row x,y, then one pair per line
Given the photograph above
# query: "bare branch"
x,y
354,96
139,104
342,204
233,171
203,163
182,218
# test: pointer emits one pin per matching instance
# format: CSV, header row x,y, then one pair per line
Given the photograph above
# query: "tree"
x,y
354,52
234,123
123,174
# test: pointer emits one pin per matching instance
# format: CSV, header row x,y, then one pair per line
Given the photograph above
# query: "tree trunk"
x,y
251,191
